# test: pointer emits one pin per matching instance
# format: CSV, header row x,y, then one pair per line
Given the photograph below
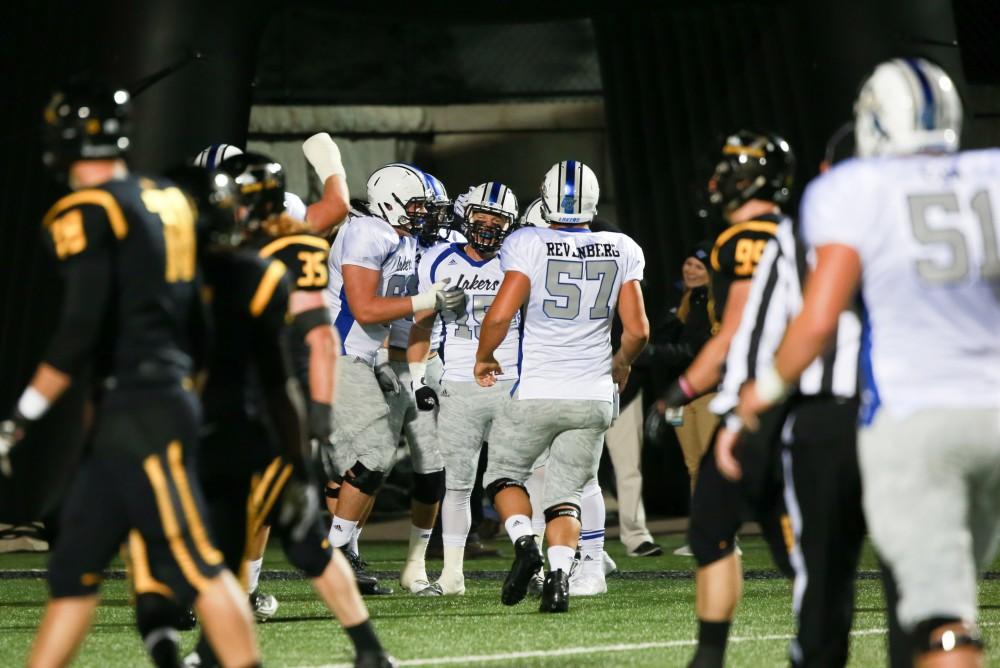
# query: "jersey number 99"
x,y
175,213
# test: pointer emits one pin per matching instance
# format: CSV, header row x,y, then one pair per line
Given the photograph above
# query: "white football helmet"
x,y
907,105
212,156
534,216
570,193
493,198
392,188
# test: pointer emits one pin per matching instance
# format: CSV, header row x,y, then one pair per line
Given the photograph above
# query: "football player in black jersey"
x,y
126,246
255,462
751,179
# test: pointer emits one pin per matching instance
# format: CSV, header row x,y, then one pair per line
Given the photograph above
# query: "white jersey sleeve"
x,y
373,244
930,280
576,276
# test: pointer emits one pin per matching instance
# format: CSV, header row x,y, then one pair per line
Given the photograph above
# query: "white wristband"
x,y
770,386
32,404
417,372
426,301
324,156
381,356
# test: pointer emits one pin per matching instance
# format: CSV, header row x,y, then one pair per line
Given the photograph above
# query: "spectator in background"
x,y
675,343
624,443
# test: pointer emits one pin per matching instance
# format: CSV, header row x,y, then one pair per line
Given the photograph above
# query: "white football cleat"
x,y
451,585
587,583
264,605
414,577
608,564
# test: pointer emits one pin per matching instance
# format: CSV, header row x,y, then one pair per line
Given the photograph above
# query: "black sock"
x,y
713,634
364,638
163,646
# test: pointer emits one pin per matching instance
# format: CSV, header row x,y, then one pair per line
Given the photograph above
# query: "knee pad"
x,y
929,636
311,555
428,488
501,484
365,480
331,492
708,549
562,510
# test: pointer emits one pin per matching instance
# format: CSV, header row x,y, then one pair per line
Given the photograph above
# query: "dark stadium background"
x,y
671,76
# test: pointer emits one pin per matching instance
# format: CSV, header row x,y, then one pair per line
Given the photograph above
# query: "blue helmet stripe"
x,y
210,160
569,191
494,193
927,113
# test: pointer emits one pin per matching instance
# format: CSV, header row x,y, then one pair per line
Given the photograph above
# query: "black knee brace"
x,y
562,510
331,492
364,479
501,484
155,611
310,555
927,638
428,487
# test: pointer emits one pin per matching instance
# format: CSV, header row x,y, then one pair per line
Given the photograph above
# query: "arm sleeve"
x,y
81,240
282,394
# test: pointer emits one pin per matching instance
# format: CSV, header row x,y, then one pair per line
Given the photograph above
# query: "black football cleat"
x,y
555,592
527,561
374,660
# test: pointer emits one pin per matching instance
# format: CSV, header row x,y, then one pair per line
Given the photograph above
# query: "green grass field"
x,y
645,619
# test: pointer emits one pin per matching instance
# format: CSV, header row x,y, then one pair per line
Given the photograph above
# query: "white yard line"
x,y
597,649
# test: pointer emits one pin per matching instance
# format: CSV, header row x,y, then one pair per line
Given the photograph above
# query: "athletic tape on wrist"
x,y
32,404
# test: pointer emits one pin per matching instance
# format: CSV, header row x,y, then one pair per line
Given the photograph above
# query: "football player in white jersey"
x,y
911,223
569,280
413,408
466,410
369,269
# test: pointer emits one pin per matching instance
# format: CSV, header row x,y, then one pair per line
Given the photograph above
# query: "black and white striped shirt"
x,y
775,299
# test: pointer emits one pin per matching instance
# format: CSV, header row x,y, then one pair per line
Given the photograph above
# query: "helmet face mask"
x,y
260,184
489,212
486,229
439,213
751,165
84,121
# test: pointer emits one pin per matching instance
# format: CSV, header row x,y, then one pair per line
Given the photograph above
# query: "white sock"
x,y
341,531
352,544
561,558
535,484
253,573
418,543
518,526
454,561
456,517
592,516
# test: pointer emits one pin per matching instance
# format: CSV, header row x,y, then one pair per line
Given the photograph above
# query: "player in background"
x,y
370,268
126,249
466,410
324,156
911,224
751,179
568,279
413,408
255,461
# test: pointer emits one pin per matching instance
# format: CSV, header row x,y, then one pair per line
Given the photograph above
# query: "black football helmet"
x,y
214,194
84,120
260,182
751,165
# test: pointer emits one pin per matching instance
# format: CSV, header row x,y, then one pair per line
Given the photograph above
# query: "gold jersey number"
x,y
313,269
174,211
747,255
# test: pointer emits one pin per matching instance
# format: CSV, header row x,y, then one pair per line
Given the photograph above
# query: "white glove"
x,y
324,156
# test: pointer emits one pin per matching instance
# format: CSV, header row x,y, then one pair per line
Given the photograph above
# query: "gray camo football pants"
x,y
573,430
419,427
465,421
361,419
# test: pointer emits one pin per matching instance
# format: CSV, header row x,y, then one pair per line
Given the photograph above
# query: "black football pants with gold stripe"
x,y
152,500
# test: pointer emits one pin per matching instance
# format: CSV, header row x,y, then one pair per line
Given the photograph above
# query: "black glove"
x,y
424,395
299,507
679,394
320,421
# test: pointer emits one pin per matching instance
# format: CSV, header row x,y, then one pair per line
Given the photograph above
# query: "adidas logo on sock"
x,y
338,527
517,523
588,558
